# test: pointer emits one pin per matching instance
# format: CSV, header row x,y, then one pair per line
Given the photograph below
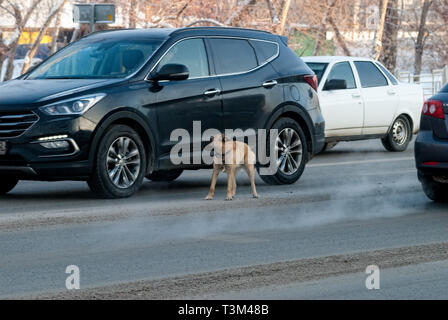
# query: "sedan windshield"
x,y
318,69
96,58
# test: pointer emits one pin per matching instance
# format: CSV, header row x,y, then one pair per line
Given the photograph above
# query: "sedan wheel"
x,y
400,132
399,136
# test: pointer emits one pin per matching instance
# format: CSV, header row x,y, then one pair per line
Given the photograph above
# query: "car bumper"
x,y
431,154
33,154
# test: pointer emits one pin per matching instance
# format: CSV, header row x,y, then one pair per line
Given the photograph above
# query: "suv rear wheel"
x,y
399,136
7,184
165,175
292,152
120,164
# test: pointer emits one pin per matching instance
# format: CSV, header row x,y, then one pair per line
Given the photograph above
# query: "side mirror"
x,y
335,84
171,72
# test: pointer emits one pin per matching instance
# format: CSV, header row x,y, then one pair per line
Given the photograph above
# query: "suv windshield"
x,y
96,58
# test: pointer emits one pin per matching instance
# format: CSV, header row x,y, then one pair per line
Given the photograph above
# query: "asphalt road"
x,y
355,205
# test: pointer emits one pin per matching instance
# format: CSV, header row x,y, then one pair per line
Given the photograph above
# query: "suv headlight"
x,y
72,106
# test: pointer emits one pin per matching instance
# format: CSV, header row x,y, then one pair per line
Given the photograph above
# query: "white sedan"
x,y
360,99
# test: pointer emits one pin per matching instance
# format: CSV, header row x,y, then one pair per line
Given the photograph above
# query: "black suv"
x,y
103,108
431,147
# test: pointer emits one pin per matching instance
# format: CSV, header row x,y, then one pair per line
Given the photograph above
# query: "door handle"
x,y
356,95
391,92
269,84
212,92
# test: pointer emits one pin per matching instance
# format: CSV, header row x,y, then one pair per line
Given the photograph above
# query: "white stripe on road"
x,y
346,163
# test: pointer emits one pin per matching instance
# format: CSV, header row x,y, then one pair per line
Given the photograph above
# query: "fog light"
x,y
62,136
55,145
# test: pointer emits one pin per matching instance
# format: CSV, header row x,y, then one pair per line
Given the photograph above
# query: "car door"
x,y
247,80
180,103
342,108
380,99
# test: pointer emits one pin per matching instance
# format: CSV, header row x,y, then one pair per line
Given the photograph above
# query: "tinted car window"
x,y
93,58
369,75
388,74
343,71
318,69
265,50
233,55
190,53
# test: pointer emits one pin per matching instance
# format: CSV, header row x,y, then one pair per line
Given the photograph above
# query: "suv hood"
x,y
29,92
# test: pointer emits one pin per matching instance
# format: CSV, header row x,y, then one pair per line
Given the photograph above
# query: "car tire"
x,y
164,175
399,136
120,164
7,184
436,191
282,176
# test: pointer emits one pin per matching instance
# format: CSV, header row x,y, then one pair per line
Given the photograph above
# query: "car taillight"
x,y
434,108
311,80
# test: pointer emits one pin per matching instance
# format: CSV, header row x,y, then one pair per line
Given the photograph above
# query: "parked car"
x,y
360,99
103,108
431,147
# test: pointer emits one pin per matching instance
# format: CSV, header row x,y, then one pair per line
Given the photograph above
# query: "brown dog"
x,y
231,156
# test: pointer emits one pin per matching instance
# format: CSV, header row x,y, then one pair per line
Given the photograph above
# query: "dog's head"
x,y
220,138
220,143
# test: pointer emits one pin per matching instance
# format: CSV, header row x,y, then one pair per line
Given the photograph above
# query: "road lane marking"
x,y
346,163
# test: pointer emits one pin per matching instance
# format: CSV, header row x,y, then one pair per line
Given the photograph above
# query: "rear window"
x,y
369,75
265,50
318,68
233,55
388,74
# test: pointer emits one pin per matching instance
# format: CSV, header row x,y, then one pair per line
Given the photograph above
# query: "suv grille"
x,y
14,123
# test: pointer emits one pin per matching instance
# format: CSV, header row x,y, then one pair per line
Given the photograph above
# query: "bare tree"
x,y
30,54
339,37
283,16
12,43
421,37
55,35
389,50
133,14
379,33
322,30
235,15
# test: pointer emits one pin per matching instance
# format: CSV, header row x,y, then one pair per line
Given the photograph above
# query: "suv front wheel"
x,y
120,164
291,155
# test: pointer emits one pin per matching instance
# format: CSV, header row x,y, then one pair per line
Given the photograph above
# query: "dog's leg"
x,y
213,184
250,168
230,182
234,186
